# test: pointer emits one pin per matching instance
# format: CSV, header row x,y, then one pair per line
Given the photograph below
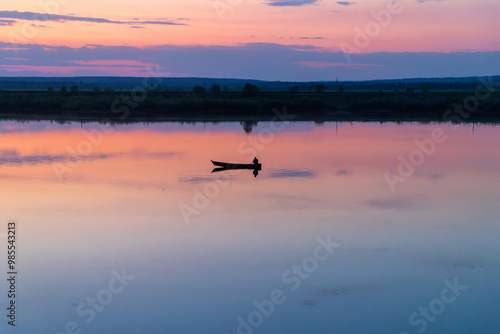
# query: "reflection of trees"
x,y
248,125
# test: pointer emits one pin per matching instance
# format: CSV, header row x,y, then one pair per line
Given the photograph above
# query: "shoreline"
x,y
364,117
124,107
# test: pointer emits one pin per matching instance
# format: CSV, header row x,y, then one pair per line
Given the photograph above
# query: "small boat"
x,y
227,165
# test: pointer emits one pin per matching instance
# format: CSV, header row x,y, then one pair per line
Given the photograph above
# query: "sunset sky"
x,y
251,39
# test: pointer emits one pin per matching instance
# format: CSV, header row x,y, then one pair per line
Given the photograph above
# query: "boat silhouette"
x,y
222,166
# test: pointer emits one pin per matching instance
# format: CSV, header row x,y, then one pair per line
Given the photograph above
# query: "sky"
x,y
288,40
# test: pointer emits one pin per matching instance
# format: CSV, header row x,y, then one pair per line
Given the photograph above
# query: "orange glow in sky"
x,y
419,26
317,26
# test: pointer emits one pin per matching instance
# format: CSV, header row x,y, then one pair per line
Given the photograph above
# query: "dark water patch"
x,y
291,173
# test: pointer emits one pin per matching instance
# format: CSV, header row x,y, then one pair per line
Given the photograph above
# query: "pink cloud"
x,y
320,64
13,49
111,62
15,58
75,70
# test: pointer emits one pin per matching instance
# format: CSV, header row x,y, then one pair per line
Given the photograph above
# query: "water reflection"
x,y
119,207
287,173
248,124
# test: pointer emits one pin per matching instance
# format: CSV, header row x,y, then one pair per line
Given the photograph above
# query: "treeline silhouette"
x,y
186,84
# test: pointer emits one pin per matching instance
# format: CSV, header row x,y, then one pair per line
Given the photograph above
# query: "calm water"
x,y
131,233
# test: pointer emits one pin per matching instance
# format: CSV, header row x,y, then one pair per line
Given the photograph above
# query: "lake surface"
x,y
348,228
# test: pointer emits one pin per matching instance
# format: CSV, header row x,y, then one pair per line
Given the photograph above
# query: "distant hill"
x,y
187,84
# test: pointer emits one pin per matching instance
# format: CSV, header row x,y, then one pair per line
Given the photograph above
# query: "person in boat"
x,y
255,160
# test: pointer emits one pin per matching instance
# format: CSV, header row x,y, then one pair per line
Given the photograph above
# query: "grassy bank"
x,y
190,105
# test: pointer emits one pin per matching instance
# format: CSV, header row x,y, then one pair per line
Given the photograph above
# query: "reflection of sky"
x,y
123,211
288,173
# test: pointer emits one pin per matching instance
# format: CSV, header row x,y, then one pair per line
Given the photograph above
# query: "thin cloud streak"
x,y
345,3
311,37
7,22
33,16
318,64
289,3
112,62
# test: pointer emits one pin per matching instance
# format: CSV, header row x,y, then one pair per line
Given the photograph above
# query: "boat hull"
x,y
227,165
